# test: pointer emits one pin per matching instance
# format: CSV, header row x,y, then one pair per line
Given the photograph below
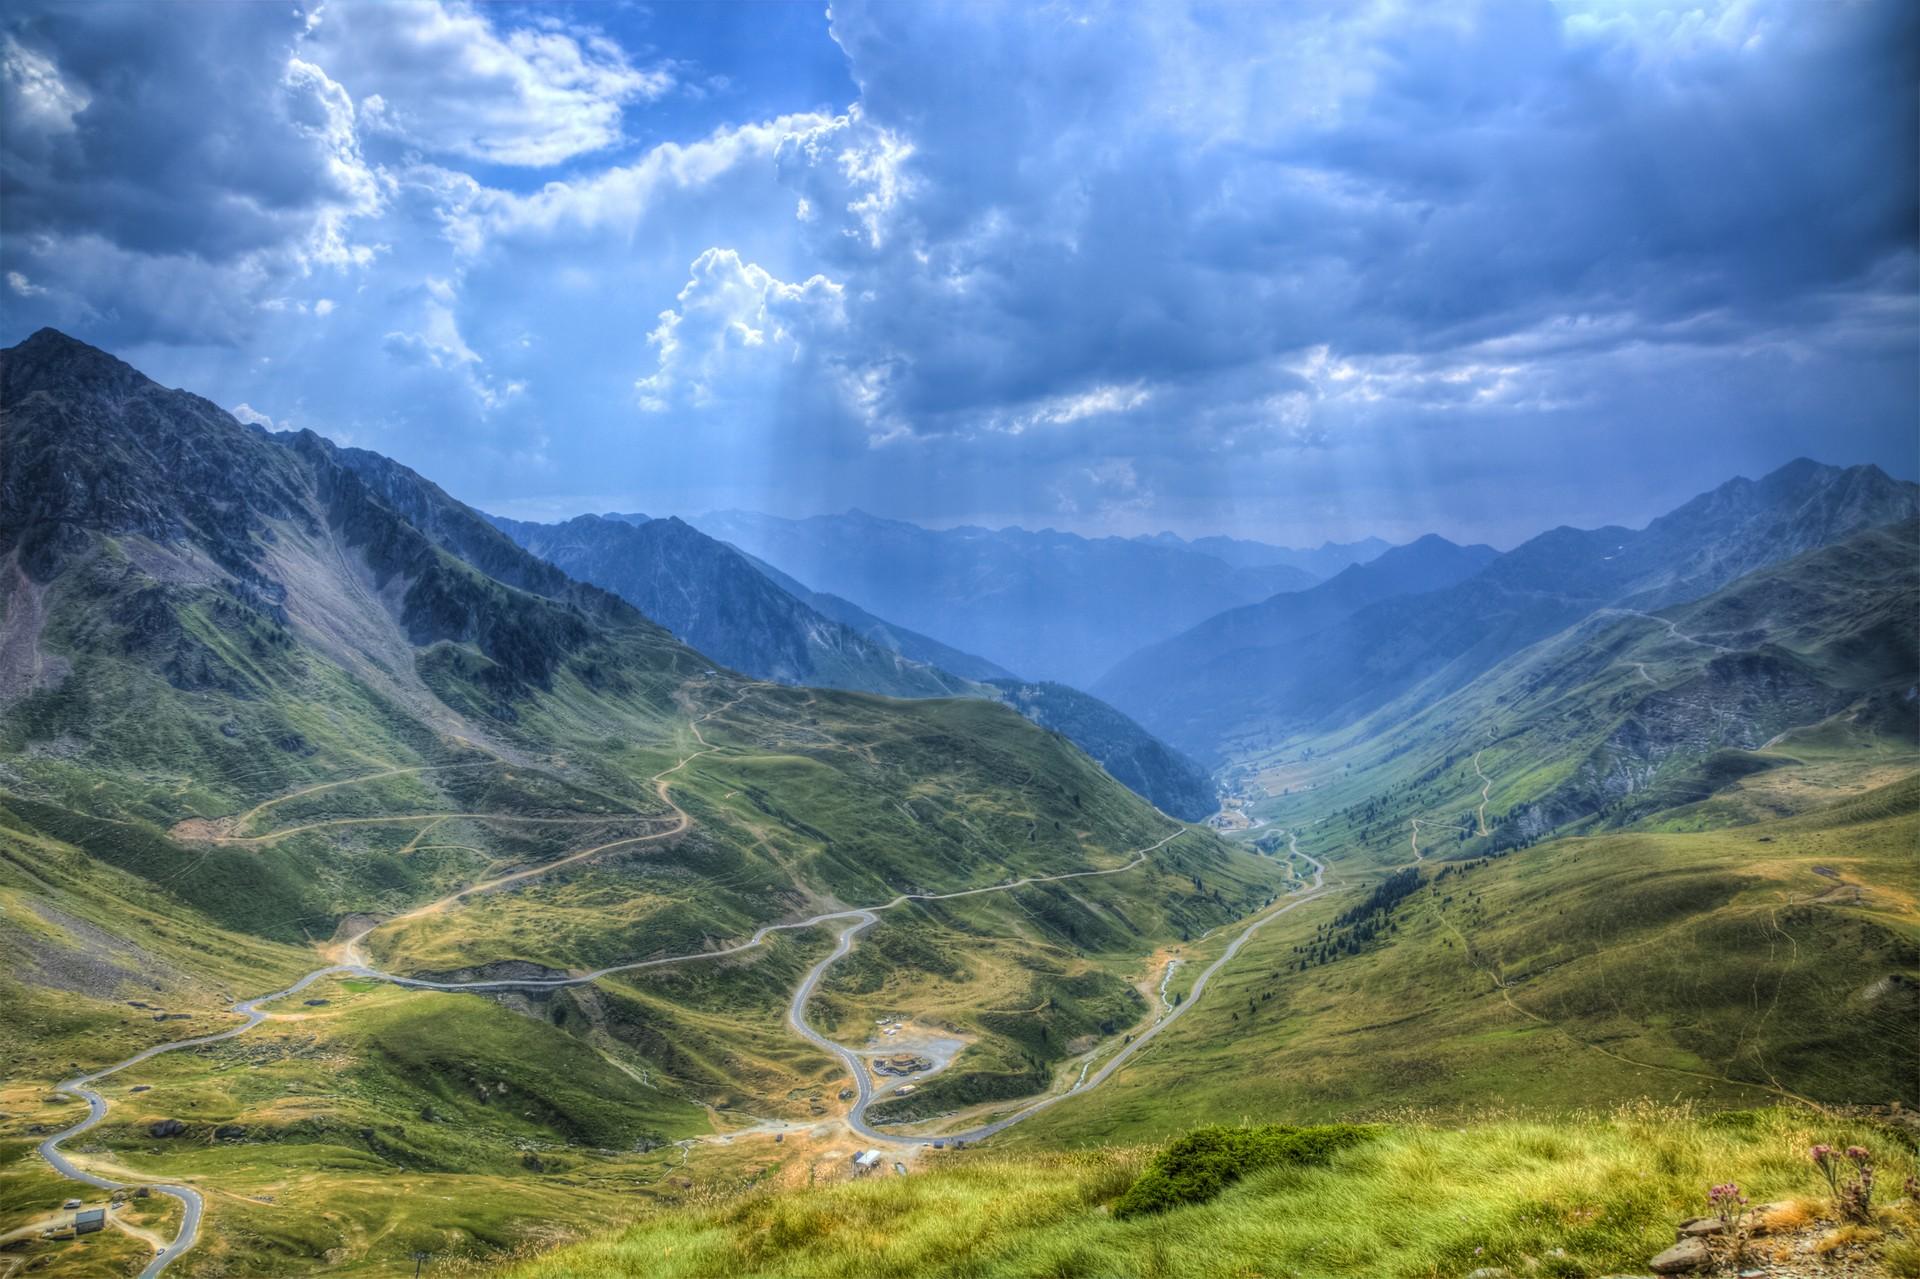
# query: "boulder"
x,y
229,1132
1683,1258
1700,1227
166,1128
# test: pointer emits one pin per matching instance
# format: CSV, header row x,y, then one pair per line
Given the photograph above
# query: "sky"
x,y
1290,271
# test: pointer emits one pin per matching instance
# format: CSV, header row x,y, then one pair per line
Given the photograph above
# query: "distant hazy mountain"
x,y
1185,683
1147,765
1415,648
752,617
1047,604
719,602
909,644
1323,561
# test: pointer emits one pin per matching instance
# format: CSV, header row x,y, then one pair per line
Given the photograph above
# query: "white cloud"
x,y
444,78
437,344
252,416
1106,489
615,199
1061,410
735,327
848,163
23,286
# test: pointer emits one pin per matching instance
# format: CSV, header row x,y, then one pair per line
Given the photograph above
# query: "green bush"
x,y
1206,1161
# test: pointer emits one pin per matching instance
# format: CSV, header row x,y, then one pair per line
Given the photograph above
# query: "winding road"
x,y
352,962
1486,787
858,919
189,1198
856,1117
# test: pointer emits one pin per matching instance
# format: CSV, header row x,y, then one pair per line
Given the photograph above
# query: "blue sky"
x,y
1290,271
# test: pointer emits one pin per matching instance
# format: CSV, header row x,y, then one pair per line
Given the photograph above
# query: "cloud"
x,y
252,416
1064,410
445,79
1152,193
615,200
437,345
735,332
1246,263
121,191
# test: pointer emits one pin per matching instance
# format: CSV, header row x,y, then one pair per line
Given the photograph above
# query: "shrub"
x,y
1206,1161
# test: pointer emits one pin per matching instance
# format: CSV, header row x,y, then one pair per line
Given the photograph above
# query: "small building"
x,y
904,1089
85,1223
867,1159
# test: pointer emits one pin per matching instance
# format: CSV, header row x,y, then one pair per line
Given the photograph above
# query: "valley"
x,y
1079,640
567,925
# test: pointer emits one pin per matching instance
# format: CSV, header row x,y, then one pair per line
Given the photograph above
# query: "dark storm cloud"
x,y
1287,269
165,134
1094,210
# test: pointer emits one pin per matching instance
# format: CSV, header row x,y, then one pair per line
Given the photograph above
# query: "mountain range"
x,y
568,914
1306,663
717,600
758,620
1046,605
1322,561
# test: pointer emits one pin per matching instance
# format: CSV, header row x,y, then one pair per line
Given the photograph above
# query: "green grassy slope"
x,y
1731,967
1631,714
246,703
1594,1195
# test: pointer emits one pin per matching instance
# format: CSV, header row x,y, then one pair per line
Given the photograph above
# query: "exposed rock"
x,y
167,1128
1684,1257
1700,1227
230,1132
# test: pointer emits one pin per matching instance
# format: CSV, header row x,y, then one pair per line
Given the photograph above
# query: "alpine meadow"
x,y
1277,641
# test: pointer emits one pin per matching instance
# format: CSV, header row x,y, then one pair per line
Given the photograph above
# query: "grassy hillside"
x,y
261,695
1793,679
1593,1195
1732,967
1149,767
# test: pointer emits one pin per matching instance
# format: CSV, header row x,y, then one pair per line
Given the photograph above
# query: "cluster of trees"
x,y
1354,929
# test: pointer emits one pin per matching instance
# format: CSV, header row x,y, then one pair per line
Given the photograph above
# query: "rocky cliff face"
x,y
1739,702
1786,647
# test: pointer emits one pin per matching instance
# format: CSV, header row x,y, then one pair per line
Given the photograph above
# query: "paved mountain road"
x,y
253,1010
858,920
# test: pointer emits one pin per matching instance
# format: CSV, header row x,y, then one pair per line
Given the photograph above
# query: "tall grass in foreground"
x,y
1584,1196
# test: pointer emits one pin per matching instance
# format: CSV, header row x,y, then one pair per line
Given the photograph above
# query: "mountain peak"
x,y
50,359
